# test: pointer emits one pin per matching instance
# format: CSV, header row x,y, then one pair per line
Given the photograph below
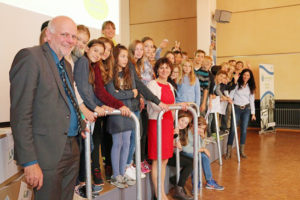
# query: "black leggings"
x,y
81,175
101,137
144,128
186,164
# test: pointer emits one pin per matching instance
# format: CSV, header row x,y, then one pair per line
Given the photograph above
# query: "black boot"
x,y
180,194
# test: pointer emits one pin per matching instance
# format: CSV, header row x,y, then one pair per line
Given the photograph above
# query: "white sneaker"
x,y
131,173
143,175
129,181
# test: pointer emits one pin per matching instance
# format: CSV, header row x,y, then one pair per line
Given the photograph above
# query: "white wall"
x,y
205,10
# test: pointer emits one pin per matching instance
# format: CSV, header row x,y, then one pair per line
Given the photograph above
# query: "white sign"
x,y
216,106
267,100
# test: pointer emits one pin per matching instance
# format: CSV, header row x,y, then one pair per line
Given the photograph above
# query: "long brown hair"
x,y
107,67
183,134
139,64
93,65
126,71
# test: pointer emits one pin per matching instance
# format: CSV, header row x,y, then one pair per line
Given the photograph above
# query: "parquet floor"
x,y
271,171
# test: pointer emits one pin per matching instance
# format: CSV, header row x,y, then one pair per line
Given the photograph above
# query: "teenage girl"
x,y
147,75
135,64
109,30
188,84
100,125
123,87
187,140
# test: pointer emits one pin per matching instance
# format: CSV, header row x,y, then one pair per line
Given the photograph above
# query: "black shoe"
x,y
173,180
108,172
81,191
98,180
180,194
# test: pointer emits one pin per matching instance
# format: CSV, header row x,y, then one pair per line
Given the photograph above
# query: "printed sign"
x,y
267,100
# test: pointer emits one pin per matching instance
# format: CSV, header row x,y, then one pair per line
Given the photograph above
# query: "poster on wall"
x,y
267,99
213,42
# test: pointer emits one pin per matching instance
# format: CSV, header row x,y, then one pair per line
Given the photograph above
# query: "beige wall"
x,y
264,31
160,19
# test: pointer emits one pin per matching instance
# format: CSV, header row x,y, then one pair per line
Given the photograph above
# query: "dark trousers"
x,y
103,138
59,183
144,126
81,174
223,119
100,137
186,164
106,143
211,125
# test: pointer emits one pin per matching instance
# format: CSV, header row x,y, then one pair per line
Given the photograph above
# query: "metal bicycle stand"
x,y
159,157
87,149
196,107
236,134
137,157
218,138
177,150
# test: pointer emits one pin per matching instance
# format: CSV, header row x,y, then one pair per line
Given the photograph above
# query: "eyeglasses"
x,y
68,35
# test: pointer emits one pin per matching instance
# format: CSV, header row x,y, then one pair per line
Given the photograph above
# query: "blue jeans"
x,y
242,116
132,142
205,164
119,152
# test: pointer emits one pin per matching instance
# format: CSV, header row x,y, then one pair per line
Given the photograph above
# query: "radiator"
x,y
287,117
286,114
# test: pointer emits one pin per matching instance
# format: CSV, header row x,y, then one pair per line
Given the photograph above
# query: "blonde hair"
x,y
208,58
225,64
191,75
84,29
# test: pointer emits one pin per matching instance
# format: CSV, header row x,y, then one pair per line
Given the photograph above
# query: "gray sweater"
x,y
118,123
85,89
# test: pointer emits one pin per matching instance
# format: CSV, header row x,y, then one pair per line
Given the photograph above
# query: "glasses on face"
x,y
68,35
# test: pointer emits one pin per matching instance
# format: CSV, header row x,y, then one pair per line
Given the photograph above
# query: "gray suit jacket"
x,y
39,112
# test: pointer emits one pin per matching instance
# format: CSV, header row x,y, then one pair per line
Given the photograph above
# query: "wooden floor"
x,y
271,171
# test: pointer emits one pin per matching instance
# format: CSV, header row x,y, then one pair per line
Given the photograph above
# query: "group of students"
x,y
137,79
